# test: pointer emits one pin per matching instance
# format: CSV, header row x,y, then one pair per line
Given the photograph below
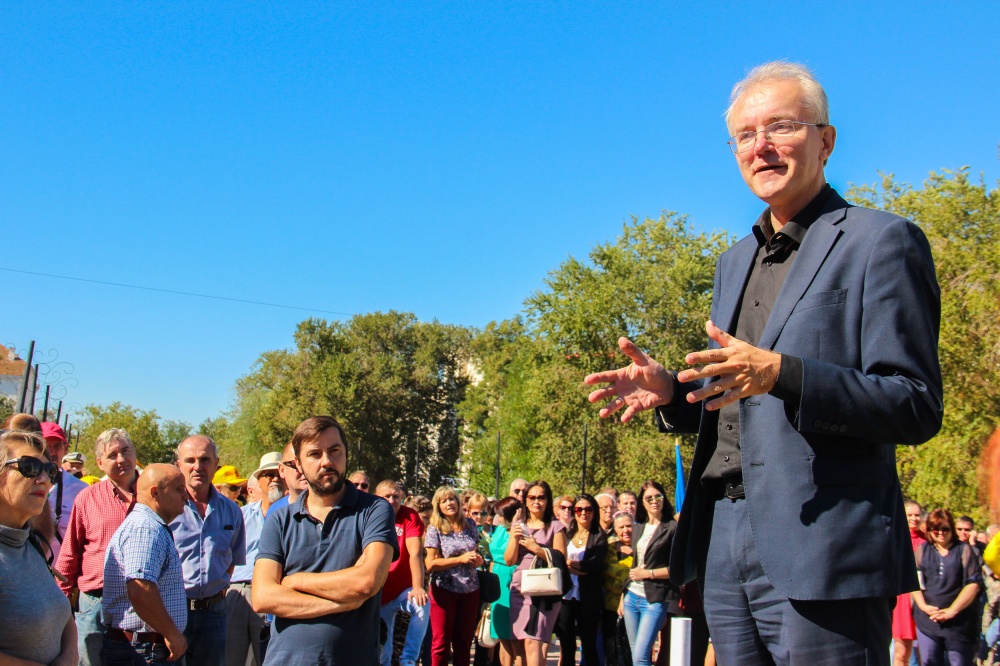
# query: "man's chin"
x,y
325,488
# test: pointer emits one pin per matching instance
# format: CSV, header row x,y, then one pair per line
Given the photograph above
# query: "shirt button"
x,y
729,426
725,458
756,303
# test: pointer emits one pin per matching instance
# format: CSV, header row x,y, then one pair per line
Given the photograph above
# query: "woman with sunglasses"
x,y
649,591
38,625
564,510
534,618
947,625
451,544
580,615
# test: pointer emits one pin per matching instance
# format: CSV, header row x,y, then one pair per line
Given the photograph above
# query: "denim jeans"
x,y
119,653
206,635
420,618
89,630
643,621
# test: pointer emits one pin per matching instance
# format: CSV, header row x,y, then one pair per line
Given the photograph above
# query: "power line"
x,y
175,292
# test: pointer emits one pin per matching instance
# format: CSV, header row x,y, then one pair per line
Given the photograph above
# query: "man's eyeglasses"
x,y
271,474
30,467
362,485
776,132
290,463
583,509
519,491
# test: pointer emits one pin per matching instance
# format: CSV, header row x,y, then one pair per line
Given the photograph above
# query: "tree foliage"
x,y
392,381
961,219
653,284
142,426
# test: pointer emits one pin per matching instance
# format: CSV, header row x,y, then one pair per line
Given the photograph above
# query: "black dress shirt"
x,y
773,261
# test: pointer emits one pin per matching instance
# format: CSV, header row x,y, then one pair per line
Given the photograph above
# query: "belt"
x,y
99,592
202,604
134,637
730,487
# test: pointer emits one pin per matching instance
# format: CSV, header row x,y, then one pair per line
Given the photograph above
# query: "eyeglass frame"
x,y
50,468
734,143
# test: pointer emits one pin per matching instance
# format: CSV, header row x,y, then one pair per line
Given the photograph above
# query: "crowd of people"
x,y
299,563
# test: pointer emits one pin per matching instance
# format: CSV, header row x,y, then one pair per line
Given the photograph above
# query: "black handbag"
x,y
489,586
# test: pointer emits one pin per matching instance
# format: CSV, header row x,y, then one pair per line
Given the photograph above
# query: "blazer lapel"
x,y
739,261
820,238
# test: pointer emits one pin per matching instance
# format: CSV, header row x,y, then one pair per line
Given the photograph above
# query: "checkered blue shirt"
x,y
142,548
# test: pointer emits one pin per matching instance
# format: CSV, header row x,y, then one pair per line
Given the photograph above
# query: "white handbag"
x,y
483,634
542,581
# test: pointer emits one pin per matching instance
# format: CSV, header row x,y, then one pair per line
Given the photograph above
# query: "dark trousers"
x,y
453,623
752,624
206,635
120,653
576,619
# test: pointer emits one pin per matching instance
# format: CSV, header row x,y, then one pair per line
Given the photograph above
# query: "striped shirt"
x,y
97,513
142,549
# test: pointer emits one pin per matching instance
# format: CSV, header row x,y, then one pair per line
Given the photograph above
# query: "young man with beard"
x,y
244,627
323,559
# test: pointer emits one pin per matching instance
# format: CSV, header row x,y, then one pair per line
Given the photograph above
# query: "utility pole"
x,y
34,387
45,408
24,380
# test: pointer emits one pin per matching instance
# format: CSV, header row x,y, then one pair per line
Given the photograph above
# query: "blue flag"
x,y
679,488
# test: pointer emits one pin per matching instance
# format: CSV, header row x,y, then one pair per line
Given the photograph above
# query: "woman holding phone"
x,y
533,618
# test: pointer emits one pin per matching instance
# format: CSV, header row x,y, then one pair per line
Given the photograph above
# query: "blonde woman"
x,y
452,557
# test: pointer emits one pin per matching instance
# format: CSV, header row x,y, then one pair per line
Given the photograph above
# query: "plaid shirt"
x,y
142,549
97,513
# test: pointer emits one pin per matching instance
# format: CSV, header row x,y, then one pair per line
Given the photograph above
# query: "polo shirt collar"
x,y
350,499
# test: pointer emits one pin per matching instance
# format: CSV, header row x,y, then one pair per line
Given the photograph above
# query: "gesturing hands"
x,y
640,386
742,370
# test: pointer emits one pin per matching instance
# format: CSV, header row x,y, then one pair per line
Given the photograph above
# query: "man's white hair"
x,y
814,97
108,436
614,500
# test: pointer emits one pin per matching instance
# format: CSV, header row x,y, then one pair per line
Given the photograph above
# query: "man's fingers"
x,y
637,355
602,394
608,376
612,407
717,334
629,413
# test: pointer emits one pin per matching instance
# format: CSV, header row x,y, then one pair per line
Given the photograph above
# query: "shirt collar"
x,y
350,499
797,227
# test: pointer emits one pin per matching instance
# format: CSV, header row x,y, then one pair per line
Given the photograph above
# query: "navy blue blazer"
x,y
861,308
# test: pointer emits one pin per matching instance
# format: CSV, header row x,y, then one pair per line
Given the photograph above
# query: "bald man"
x,y
211,540
144,603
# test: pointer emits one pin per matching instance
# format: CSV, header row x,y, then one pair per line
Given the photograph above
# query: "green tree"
x,y
7,406
652,284
961,219
391,380
142,426
173,433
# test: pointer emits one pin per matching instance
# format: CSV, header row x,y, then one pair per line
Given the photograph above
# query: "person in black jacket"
x,y
580,614
649,592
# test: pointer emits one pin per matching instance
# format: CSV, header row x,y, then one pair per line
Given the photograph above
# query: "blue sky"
x,y
436,158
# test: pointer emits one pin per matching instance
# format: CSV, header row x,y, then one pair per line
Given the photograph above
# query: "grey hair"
x,y
108,436
20,437
814,97
614,500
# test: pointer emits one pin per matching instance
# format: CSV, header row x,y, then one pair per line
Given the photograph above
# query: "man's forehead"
x,y
768,102
117,446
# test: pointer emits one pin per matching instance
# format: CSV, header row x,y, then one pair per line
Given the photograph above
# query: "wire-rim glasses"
x,y
776,132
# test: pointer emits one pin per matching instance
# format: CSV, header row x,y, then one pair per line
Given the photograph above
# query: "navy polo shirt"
x,y
300,543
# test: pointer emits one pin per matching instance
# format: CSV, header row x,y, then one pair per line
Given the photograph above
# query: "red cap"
x,y
53,430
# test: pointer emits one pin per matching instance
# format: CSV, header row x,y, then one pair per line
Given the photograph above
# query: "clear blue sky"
x,y
437,158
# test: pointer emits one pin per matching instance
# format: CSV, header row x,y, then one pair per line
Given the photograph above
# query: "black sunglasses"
x,y
30,467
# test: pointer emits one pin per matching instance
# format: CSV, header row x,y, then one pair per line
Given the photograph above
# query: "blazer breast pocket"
x,y
820,299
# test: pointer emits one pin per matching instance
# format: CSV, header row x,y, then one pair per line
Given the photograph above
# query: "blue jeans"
x,y
89,630
119,653
206,635
643,621
420,618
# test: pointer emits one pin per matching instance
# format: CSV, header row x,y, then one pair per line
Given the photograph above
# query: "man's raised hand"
x,y
742,370
641,385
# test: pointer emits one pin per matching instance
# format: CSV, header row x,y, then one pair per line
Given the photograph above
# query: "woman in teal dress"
x,y
500,623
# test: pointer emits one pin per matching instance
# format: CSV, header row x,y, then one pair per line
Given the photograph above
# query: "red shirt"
x,y
97,513
408,524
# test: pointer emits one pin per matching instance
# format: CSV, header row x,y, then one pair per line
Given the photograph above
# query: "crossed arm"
x,y
305,596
